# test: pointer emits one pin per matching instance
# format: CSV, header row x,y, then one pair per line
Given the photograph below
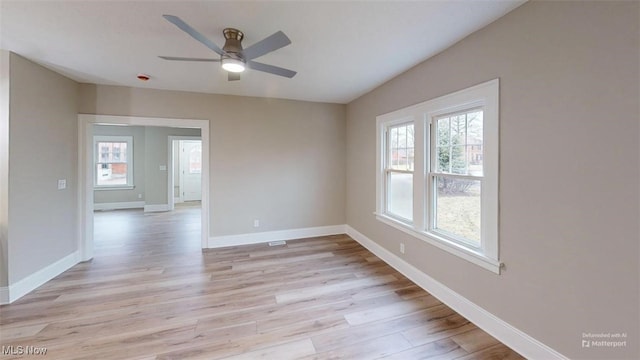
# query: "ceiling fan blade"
x,y
176,58
194,34
271,69
266,45
234,76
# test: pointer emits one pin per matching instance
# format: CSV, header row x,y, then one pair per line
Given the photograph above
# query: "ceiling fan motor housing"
x,y
233,44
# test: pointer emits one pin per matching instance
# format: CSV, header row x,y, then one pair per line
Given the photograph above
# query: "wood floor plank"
x,y
288,351
445,349
17,332
474,340
371,331
380,347
439,329
392,310
499,351
311,292
151,292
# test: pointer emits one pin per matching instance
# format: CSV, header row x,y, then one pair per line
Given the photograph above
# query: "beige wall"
x,y
43,133
4,166
568,170
279,161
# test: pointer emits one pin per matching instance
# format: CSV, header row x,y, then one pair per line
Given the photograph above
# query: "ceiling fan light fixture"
x,y
233,65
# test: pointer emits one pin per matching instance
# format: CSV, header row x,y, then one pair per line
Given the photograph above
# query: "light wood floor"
x,y
151,293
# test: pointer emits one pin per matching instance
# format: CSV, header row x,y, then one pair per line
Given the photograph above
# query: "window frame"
x,y
423,115
96,160
388,170
433,174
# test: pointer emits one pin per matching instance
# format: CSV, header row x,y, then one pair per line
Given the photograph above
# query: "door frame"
x,y
85,170
170,168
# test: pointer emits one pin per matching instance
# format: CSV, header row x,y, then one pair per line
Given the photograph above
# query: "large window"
x,y
438,175
113,162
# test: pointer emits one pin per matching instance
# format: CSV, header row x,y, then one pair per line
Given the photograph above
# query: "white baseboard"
x,y
524,344
119,205
267,236
156,208
22,287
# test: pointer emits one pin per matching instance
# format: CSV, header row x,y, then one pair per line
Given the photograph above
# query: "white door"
x,y
191,169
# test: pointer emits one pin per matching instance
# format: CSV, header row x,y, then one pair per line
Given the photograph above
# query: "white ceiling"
x,y
340,49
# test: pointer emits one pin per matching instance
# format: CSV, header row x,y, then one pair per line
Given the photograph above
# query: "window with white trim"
x,y
440,183
399,164
456,176
113,162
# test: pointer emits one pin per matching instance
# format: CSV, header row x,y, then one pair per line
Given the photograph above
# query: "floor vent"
x,y
277,243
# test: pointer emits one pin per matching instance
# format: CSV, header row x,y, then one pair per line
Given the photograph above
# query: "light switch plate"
x,y
163,167
62,184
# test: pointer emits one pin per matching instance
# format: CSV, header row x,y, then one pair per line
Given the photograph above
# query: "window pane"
x,y
443,132
458,130
442,159
113,151
400,195
195,160
459,148
104,152
400,152
111,174
457,209
116,153
458,161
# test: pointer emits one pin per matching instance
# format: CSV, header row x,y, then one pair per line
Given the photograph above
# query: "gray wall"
x,y
569,166
43,132
157,154
279,161
150,150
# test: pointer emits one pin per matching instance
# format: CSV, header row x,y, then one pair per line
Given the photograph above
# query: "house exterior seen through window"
x,y
457,175
113,161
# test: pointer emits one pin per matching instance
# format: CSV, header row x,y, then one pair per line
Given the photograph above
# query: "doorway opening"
x,y
86,174
187,170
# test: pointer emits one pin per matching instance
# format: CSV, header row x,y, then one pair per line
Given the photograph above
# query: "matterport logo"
x,y
604,340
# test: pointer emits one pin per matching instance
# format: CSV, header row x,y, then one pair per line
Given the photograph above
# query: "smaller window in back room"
x,y
113,161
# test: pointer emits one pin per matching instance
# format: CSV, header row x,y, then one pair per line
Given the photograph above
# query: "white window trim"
x,y
485,95
113,138
385,159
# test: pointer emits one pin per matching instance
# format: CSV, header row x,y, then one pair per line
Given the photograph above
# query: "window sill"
x,y
444,244
107,188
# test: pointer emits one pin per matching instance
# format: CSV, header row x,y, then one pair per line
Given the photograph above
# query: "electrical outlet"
x,y
139,196
256,223
402,248
62,184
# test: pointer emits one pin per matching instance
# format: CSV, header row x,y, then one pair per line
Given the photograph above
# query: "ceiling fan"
x,y
233,57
